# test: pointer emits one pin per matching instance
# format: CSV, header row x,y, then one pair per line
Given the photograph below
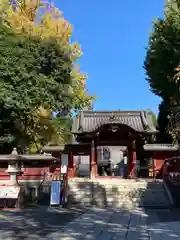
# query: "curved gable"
x,y
91,121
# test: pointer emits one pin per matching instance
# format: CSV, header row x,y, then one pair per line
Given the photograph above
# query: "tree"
x,y
163,55
162,58
34,75
45,29
43,19
154,118
162,123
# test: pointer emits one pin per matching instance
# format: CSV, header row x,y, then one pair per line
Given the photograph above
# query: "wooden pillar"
x,y
70,170
96,159
93,161
132,159
56,169
134,163
153,166
130,167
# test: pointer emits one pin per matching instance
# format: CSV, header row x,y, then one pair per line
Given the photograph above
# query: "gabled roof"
x,y
90,121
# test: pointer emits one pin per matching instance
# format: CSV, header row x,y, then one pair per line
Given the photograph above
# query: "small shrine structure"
x,y
21,176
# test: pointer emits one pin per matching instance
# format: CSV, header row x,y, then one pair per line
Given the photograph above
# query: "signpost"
x,y
59,188
55,198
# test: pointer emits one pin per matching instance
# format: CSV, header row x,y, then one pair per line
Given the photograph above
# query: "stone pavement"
x,y
35,223
137,224
90,224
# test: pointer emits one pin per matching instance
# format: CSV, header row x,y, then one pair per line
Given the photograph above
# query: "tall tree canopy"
x,y
38,73
41,18
33,78
163,57
163,54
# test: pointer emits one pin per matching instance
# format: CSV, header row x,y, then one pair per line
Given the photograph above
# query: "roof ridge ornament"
x,y
113,117
14,151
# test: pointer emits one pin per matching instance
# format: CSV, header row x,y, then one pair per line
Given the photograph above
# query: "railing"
x,y
171,175
171,169
174,177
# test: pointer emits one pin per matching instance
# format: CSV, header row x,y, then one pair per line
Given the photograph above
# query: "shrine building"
x,y
101,139
111,144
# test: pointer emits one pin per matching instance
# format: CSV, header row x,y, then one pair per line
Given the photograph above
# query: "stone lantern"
x,y
13,168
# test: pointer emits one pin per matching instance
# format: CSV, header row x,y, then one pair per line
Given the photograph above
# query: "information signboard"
x,y
55,198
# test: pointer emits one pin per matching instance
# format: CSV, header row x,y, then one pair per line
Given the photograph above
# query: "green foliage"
x,y
162,59
39,75
163,55
154,118
33,73
62,130
42,19
162,123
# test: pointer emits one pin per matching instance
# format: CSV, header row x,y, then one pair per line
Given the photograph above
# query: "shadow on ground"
x,y
35,222
92,222
103,194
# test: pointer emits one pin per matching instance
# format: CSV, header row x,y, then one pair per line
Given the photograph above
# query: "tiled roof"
x,y
38,157
89,121
27,157
160,147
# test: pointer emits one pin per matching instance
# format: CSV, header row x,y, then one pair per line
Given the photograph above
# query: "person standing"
x,y
122,166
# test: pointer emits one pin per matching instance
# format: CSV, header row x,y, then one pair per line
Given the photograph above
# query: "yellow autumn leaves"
x,y
43,19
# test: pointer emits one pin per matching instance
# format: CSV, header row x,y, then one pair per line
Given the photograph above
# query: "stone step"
x,y
117,193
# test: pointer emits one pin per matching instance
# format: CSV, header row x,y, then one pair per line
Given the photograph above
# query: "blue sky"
x,y
113,36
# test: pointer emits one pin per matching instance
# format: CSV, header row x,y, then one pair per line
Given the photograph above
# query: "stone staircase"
x,y
113,192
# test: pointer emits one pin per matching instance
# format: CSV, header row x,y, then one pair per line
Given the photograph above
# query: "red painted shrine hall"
x,y
103,136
